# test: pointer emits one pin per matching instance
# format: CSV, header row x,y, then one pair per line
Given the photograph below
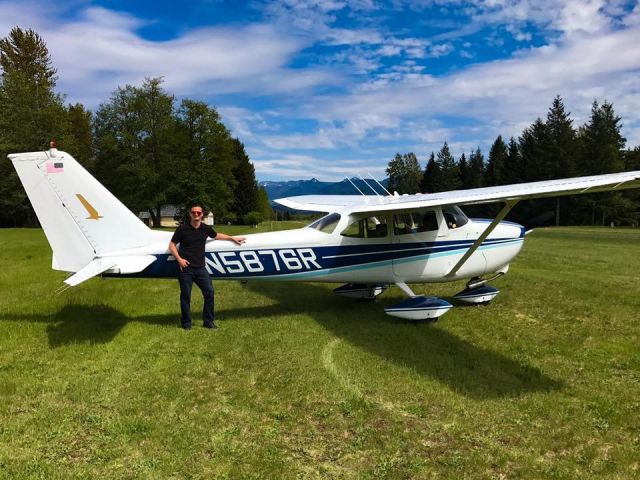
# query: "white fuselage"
x,y
313,255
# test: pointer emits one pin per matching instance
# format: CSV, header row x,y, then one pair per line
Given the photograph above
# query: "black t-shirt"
x,y
192,242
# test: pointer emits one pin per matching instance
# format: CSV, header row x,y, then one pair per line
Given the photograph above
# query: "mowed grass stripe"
x,y
298,383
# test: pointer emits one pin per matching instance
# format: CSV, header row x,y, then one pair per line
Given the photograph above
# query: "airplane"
x,y
367,242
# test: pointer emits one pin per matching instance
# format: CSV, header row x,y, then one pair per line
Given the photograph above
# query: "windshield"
x,y
326,224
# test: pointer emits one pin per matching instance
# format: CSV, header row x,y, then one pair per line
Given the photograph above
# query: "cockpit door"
x,y
417,239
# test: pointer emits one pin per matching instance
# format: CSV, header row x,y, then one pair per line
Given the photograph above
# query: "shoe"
x,y
210,325
186,327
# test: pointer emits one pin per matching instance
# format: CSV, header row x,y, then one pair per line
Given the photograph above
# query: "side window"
x,y
371,227
416,222
454,217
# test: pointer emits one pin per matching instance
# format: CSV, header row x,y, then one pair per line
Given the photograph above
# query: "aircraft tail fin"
x,y
81,219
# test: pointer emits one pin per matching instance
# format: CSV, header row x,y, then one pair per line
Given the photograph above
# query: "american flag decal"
x,y
56,167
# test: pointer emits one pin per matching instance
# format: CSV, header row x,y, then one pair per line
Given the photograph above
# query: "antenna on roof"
x,y
354,186
381,186
367,184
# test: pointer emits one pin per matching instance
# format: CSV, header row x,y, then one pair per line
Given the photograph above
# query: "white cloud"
x,y
102,50
294,166
376,97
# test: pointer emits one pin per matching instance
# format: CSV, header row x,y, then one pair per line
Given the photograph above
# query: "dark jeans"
x,y
201,278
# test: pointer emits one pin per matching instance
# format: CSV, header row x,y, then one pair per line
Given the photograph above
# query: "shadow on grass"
x,y
92,324
426,348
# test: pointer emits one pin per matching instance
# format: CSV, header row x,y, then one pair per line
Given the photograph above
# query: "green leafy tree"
x,y
264,206
80,121
395,172
404,173
135,134
205,160
413,174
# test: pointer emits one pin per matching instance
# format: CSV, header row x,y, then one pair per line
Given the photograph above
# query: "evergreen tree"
x,y
395,172
602,146
465,171
533,148
561,148
245,195
513,169
31,115
495,173
449,172
431,176
561,138
476,169
602,142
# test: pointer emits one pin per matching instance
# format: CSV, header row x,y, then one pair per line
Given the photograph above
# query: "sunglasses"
x,y
196,213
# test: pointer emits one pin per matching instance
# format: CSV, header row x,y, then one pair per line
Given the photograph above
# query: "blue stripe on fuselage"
x,y
310,262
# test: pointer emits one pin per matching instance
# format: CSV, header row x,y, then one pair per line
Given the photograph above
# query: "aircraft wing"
x,y
515,192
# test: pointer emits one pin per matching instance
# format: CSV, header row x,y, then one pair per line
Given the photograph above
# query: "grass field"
x,y
99,382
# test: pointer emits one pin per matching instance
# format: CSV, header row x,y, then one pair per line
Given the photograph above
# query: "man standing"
x,y
192,237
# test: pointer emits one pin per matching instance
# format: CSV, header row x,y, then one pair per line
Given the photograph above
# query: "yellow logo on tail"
x,y
93,213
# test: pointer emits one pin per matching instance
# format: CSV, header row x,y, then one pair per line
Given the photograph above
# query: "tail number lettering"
x,y
287,259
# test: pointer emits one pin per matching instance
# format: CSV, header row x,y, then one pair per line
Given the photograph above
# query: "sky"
x,y
332,88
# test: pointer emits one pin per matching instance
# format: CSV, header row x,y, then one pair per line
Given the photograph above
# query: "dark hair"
x,y
196,204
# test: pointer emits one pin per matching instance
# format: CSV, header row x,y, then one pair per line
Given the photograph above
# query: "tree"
x,y
602,142
561,149
465,171
476,169
24,54
413,174
602,146
205,151
495,174
449,172
31,115
513,167
533,149
264,206
395,171
80,129
431,176
245,196
135,136
405,174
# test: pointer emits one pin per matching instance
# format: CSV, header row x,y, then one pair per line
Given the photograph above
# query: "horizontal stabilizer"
x,y
125,264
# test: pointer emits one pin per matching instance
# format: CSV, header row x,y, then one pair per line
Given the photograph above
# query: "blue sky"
x,y
329,88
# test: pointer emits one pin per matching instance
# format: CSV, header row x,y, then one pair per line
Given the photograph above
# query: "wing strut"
x,y
503,213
